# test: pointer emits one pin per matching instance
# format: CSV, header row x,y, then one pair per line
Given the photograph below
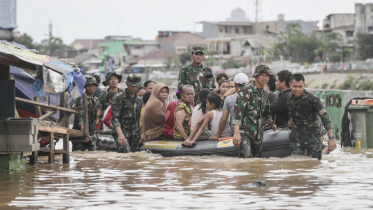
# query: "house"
x,y
136,48
181,42
240,46
153,60
85,44
238,25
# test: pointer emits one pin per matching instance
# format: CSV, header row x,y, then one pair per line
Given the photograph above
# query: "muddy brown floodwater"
x,y
104,180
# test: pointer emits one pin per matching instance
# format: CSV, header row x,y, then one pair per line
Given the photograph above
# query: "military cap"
x,y
90,80
108,75
262,69
198,48
134,80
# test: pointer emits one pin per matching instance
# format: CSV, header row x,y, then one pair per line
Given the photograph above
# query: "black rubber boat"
x,y
275,144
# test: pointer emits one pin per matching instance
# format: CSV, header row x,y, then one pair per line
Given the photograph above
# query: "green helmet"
x,y
90,80
134,80
198,48
109,74
262,69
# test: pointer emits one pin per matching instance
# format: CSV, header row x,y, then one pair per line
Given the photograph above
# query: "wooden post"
x,y
51,146
34,158
4,72
37,108
85,116
63,103
66,156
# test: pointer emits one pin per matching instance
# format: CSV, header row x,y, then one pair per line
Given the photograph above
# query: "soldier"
x,y
304,107
251,113
196,74
94,113
125,117
112,79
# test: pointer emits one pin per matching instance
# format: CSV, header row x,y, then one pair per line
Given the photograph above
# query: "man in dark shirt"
x,y
279,108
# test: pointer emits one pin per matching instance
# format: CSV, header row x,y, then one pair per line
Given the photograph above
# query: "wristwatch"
x,y
331,137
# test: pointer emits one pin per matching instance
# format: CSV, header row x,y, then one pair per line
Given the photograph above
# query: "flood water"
x,y
104,180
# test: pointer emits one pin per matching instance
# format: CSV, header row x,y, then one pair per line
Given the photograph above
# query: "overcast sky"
x,y
144,18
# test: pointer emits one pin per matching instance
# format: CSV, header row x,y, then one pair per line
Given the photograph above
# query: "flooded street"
x,y
103,180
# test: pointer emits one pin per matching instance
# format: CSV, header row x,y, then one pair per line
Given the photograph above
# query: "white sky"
x,y
144,18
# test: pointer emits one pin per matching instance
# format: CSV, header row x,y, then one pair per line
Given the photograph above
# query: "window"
x,y
237,30
349,33
221,30
267,27
370,28
226,29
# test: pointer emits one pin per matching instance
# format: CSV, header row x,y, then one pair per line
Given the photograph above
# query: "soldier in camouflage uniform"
x,y
251,113
112,80
125,117
196,73
93,116
304,107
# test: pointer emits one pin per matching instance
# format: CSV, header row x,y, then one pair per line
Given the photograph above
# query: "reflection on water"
x,y
93,180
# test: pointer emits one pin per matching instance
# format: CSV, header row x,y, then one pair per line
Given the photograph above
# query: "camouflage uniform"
x,y
93,106
198,76
126,115
251,113
103,94
306,132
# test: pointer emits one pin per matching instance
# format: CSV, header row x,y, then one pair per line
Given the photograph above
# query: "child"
x,y
212,103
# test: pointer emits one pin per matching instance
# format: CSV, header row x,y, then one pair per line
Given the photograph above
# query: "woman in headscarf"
x,y
154,113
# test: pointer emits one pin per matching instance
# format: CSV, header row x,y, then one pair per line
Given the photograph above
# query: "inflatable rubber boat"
x,y
275,144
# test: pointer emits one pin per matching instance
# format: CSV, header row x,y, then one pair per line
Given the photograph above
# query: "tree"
x,y
184,57
293,43
26,40
365,46
48,46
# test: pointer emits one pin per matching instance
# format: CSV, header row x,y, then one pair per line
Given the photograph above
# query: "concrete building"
x,y
241,46
181,42
364,18
8,14
238,25
135,49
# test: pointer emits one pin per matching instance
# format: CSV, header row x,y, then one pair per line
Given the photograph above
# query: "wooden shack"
x,y
19,136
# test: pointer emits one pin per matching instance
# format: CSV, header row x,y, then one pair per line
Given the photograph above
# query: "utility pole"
x,y
257,9
50,26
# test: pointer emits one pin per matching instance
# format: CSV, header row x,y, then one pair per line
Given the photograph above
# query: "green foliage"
x,y
26,40
47,46
184,58
365,46
231,64
295,44
324,86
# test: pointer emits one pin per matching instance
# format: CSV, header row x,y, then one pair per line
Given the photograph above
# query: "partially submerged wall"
x,y
335,102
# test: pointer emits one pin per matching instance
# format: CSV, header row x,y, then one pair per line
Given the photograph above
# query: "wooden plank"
x,y
57,108
73,132
65,120
47,115
37,108
51,146
66,155
53,129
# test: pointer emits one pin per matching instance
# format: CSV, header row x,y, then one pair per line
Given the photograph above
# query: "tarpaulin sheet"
x,y
24,90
